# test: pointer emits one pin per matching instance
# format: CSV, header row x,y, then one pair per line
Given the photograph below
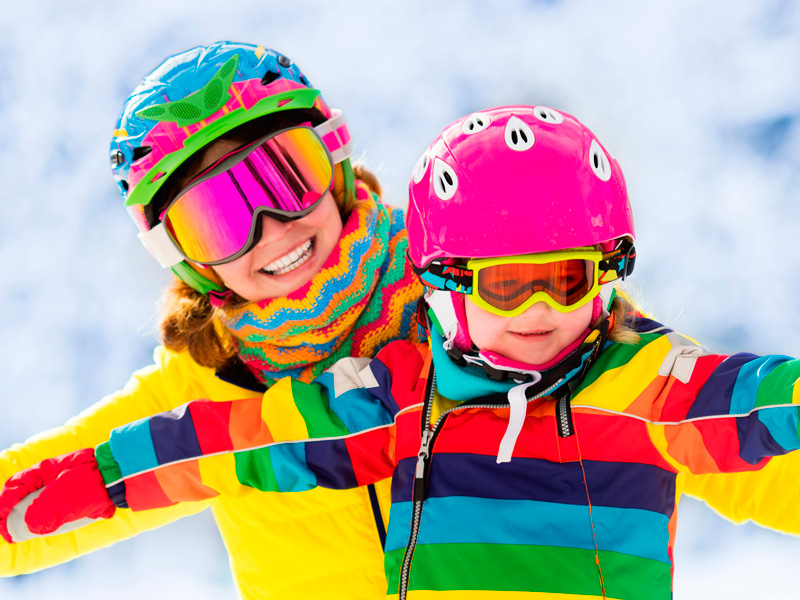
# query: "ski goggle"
x,y
214,219
508,286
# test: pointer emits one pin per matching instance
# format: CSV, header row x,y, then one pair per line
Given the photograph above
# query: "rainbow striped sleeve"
x,y
336,432
745,411
706,413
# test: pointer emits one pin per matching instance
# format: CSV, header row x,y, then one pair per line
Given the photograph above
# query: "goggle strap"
x,y
160,245
449,278
589,351
336,136
617,264
571,370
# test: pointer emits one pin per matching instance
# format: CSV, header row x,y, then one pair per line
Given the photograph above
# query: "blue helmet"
x,y
197,96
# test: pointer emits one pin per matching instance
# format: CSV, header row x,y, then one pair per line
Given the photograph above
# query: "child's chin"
x,y
531,358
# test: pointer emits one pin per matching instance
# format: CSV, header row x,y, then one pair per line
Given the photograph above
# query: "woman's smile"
x,y
287,256
292,260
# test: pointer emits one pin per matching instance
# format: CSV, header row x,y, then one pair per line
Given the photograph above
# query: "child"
x,y
539,443
236,172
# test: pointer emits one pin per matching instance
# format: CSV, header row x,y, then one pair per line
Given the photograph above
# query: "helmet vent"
x,y
445,180
184,111
213,94
599,161
519,135
475,122
141,152
548,115
269,77
227,68
421,166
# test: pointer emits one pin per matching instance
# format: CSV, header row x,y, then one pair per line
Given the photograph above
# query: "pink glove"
x,y
71,489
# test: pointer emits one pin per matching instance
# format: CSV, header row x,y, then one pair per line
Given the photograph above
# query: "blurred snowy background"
x,y
700,103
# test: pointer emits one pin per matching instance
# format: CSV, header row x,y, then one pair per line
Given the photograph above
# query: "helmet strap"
x,y
195,280
608,291
349,177
571,370
442,314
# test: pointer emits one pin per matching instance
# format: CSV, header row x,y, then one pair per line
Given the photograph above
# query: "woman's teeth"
x,y
291,261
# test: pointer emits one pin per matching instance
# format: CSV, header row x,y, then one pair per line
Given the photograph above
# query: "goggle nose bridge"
x,y
256,224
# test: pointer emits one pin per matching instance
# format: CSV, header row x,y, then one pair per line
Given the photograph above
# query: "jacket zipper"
x,y
420,481
423,468
564,417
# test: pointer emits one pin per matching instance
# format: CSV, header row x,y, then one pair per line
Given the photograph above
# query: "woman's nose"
x,y
272,230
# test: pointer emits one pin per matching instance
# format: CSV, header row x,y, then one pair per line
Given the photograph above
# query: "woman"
x,y
237,174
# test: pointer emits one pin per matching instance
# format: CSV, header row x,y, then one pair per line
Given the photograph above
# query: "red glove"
x,y
71,488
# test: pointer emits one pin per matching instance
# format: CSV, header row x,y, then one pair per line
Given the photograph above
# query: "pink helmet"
x,y
514,180
508,181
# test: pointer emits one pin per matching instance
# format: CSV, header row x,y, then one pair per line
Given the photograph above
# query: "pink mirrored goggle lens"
x,y
286,175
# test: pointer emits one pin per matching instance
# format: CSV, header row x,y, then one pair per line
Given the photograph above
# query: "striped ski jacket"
x,y
584,508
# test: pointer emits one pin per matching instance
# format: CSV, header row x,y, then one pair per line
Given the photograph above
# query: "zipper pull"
x,y
422,460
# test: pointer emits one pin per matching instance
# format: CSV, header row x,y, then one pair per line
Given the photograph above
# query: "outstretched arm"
x,y
729,414
762,392
767,497
173,380
337,432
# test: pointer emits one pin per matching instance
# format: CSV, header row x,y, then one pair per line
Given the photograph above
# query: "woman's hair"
x,y
189,321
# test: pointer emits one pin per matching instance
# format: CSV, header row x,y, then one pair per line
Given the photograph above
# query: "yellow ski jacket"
x,y
280,545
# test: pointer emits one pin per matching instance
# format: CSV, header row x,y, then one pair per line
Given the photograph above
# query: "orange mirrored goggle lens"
x,y
508,286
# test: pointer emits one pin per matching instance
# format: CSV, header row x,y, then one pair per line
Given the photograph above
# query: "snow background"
x,y
698,101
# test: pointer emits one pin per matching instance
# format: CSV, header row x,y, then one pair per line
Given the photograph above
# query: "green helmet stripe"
x,y
194,280
349,182
145,189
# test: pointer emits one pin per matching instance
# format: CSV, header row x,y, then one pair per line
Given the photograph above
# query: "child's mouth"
x,y
532,334
291,261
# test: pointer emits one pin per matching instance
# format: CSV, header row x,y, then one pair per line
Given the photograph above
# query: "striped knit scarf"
x,y
364,296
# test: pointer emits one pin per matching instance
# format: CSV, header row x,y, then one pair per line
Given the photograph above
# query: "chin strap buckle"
x,y
219,299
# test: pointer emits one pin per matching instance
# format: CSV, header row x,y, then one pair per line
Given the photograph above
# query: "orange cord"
x,y
591,519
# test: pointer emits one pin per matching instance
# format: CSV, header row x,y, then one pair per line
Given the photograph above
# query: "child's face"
x,y
288,255
535,337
